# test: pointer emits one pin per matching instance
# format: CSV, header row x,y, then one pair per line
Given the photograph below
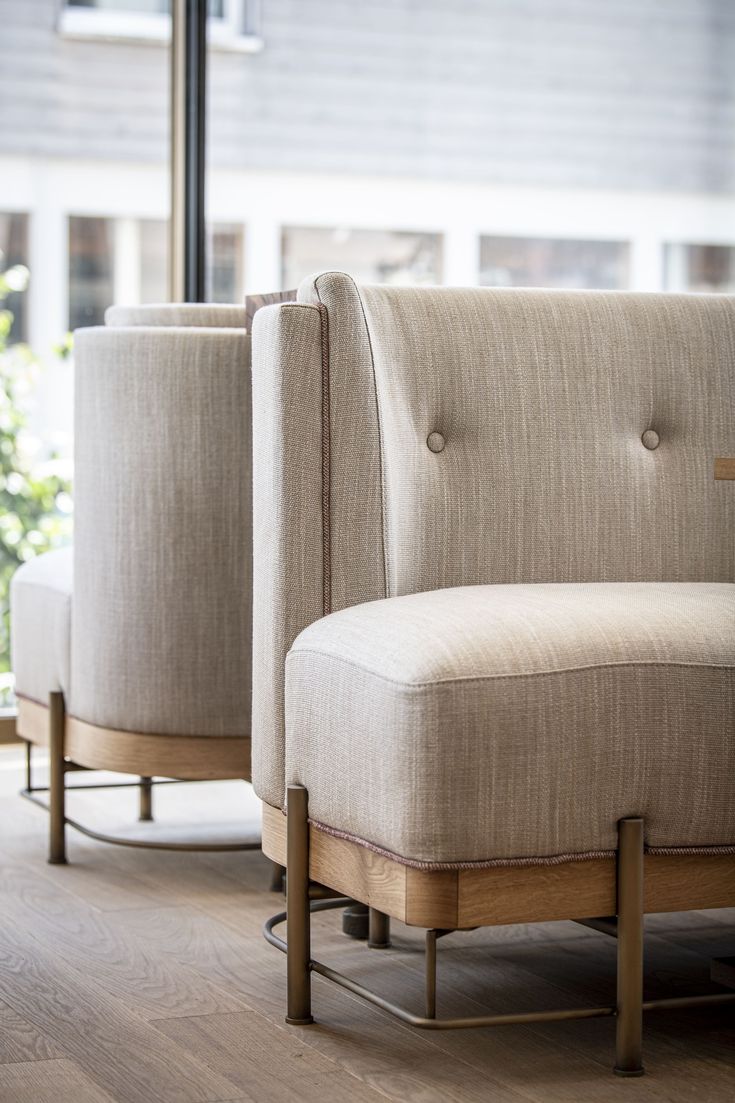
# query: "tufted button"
x,y
650,439
435,441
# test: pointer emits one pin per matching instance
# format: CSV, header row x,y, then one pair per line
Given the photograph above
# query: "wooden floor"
x,y
142,977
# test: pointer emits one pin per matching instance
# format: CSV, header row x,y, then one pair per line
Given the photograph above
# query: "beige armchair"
x,y
494,620
139,637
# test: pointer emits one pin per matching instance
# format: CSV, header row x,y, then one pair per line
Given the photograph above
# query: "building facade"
x,y
556,142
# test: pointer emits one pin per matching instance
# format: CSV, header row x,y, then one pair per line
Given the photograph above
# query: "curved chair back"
x,y
161,618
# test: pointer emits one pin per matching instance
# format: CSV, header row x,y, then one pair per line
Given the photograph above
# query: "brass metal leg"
x,y
429,1021
297,907
145,808
57,818
379,930
629,1040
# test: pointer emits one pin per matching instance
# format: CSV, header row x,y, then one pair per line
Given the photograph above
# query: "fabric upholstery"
x,y
542,399
40,608
162,610
541,396
207,315
357,552
511,722
288,533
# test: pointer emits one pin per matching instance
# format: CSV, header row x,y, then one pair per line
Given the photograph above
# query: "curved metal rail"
x,y
120,840
409,1017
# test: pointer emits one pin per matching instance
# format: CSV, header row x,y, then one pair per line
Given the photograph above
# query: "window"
x,y
100,274
373,256
224,280
153,261
14,250
224,264
700,268
90,270
233,24
542,262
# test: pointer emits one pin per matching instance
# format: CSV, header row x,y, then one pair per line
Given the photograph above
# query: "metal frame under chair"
x,y
61,763
627,926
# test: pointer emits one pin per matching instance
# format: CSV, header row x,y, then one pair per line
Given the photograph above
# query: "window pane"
x,y
224,264
223,256
700,268
373,256
90,270
153,260
539,262
14,250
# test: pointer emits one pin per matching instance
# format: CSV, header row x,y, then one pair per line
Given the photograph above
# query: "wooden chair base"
x,y
183,757
459,899
76,745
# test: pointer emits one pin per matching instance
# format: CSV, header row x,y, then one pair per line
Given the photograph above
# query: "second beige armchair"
x,y
132,651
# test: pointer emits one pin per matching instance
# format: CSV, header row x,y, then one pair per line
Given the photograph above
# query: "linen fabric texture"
x,y
288,563
195,315
542,399
160,635
497,722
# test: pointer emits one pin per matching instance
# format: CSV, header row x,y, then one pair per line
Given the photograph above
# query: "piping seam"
x,y
381,452
383,509
516,863
464,680
326,467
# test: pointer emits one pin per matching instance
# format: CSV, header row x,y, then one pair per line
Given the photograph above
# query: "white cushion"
x,y
40,602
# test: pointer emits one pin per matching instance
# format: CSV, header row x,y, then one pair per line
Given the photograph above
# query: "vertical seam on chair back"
x,y
381,452
326,467
327,451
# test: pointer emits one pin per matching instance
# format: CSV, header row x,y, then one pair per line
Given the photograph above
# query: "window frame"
x,y
625,245
17,302
224,32
680,272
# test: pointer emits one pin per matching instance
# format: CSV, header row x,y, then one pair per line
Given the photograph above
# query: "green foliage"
x,y
35,501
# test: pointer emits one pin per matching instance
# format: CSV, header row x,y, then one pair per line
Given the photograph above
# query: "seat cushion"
x,y
509,723
40,609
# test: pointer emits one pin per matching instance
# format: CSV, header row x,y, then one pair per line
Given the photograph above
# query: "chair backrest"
x,y
161,616
416,438
189,315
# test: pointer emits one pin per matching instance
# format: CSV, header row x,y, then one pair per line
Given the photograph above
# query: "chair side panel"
x,y
288,510
357,567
